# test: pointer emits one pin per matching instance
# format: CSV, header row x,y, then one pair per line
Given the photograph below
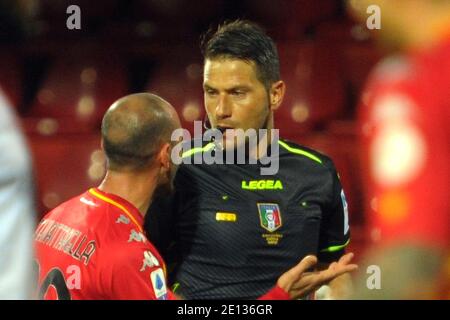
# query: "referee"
x,y
233,230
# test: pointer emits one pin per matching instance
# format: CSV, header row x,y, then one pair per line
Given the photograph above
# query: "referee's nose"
x,y
223,108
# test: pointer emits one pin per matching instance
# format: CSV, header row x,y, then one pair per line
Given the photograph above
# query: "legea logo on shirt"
x,y
159,284
262,185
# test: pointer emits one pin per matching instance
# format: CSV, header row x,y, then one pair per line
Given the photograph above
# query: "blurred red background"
x,y
61,81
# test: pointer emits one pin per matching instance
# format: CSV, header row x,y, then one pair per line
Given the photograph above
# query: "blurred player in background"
x,y
93,246
17,212
405,123
235,229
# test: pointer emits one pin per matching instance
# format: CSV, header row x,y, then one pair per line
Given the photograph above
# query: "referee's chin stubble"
x,y
233,143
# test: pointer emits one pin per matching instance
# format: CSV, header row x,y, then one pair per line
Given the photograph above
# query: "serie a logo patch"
x,y
159,284
269,216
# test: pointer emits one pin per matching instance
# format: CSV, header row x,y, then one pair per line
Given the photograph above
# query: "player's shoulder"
x,y
120,229
68,208
132,270
135,255
105,216
124,242
305,154
136,250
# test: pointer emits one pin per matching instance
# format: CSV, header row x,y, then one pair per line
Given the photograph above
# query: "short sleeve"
x,y
334,229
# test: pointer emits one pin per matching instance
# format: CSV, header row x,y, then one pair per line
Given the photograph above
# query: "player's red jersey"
x,y
93,247
405,121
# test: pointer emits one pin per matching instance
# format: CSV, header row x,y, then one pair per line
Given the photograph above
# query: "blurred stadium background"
x,y
61,81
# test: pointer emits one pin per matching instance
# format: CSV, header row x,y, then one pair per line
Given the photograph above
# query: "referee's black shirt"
x,y
233,231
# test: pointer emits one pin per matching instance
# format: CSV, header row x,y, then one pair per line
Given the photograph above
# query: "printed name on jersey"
x,y
262,185
159,284
149,261
65,239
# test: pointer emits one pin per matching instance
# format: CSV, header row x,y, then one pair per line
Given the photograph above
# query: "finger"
x,y
330,274
297,271
333,265
307,263
313,280
302,292
350,267
334,272
288,279
346,259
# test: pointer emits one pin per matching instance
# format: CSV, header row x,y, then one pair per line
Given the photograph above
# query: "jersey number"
x,y
56,279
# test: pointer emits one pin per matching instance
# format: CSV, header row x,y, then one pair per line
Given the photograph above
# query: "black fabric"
x,y
234,260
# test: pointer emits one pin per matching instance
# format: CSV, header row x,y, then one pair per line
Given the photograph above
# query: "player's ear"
x,y
276,94
164,156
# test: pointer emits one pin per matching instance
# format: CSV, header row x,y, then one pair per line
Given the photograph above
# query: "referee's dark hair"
x,y
133,130
244,40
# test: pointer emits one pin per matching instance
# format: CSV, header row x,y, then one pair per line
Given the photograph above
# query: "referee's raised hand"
x,y
299,282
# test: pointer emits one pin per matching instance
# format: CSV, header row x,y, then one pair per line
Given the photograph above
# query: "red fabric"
x,y
115,269
276,293
416,207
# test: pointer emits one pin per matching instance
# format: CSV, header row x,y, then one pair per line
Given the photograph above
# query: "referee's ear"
x,y
276,94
